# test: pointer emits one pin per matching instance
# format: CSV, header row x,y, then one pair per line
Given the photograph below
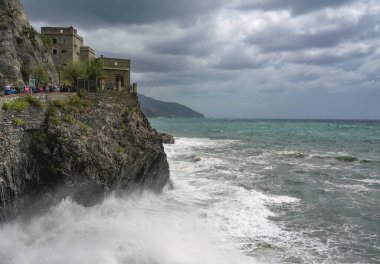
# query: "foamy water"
x,y
284,191
242,200
144,229
205,219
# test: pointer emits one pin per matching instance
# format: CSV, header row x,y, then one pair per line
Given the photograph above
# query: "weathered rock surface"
x,y
78,147
167,138
20,47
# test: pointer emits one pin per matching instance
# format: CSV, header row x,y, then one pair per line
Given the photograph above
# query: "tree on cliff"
x,y
40,73
95,69
73,72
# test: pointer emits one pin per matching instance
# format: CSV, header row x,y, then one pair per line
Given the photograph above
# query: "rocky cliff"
x,y
21,47
58,145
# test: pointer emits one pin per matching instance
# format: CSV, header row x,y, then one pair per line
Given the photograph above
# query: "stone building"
x,y
116,73
86,53
67,45
68,48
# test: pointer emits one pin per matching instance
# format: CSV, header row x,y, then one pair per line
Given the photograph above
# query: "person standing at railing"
x,y
8,89
27,89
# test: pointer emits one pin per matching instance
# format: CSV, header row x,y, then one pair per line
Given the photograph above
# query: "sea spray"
x,y
140,229
327,171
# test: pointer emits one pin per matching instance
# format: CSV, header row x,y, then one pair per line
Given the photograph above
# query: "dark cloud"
x,y
350,59
324,33
90,13
238,59
213,53
284,39
190,42
296,6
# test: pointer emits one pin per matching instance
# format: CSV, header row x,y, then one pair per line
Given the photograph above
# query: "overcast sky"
x,y
238,58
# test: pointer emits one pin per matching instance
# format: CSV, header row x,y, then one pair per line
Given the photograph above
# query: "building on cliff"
x,y
116,73
68,47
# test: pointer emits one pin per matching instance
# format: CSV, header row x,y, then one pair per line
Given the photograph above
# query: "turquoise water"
x,y
283,191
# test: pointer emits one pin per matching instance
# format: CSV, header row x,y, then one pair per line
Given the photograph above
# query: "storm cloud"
x,y
296,6
238,58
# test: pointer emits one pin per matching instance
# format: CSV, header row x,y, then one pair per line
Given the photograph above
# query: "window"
x,y
64,51
55,51
78,53
54,41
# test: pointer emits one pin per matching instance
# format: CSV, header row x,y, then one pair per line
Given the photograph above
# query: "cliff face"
x,y
21,48
62,145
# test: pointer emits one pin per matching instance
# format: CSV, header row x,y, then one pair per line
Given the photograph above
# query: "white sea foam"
x,y
240,216
206,219
120,230
351,187
371,181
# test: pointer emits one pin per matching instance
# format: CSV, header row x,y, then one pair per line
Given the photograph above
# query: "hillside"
x,y
155,108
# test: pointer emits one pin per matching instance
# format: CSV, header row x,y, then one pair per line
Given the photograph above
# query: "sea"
x,y
243,191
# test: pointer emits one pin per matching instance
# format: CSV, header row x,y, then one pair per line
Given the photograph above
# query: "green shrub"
x,y
78,102
123,126
30,33
47,41
25,72
81,93
18,121
34,101
13,12
23,103
55,120
52,111
121,150
68,119
19,105
60,103
40,71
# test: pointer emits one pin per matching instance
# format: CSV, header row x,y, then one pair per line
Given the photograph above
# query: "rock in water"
x,y
21,47
64,145
197,159
167,138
